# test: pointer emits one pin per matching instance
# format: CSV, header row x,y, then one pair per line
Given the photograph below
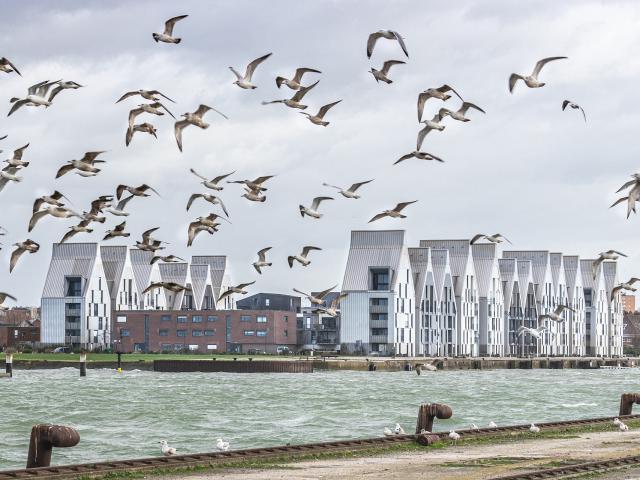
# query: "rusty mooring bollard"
x,y
428,412
626,402
44,437
426,439
8,363
83,364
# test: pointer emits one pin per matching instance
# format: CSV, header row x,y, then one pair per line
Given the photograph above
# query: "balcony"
x,y
378,323
378,308
378,339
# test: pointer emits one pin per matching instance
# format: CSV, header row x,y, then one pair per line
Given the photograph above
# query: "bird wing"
x,y
37,204
404,157
144,187
322,294
378,217
55,92
323,111
421,134
156,92
626,185
386,66
615,290
422,99
179,126
169,24
252,66
202,109
401,42
90,157
584,115
564,104
120,227
4,296
633,280
402,205
198,175
132,116
513,79
301,293
68,235
16,106
356,186
159,104
34,88
317,201
332,186
301,71
336,301
18,152
303,91
617,253
221,177
542,63
261,180
153,286
8,62
466,105
126,95
194,229
147,235
35,218
192,198
620,200
128,136
15,256
371,42
262,253
244,285
477,237
222,205
502,236
224,295
235,72
447,88
123,203
307,249
290,260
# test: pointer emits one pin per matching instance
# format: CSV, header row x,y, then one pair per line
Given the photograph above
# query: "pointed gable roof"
x,y
217,268
200,279
114,258
485,263
459,258
508,274
525,279
557,271
441,270
610,272
540,267
141,264
572,274
69,259
420,259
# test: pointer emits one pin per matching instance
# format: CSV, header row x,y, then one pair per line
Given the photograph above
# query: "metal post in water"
x,y
8,365
43,438
430,411
119,362
83,364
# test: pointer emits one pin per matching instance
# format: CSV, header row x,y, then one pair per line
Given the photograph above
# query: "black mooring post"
x,y
119,361
83,364
43,438
8,363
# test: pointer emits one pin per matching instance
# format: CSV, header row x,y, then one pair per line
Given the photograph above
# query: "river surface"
x,y
126,415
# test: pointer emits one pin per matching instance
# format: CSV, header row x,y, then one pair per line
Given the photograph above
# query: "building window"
x,y
379,279
124,332
181,319
249,333
286,319
379,302
212,346
196,318
212,318
261,319
163,333
379,331
121,319
261,333
245,318
378,316
166,347
267,302
181,333
165,318
197,333
286,333
73,286
209,333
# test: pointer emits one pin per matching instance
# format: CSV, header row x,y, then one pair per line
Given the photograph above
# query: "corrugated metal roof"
x,y
459,251
200,278
217,267
525,279
420,259
441,270
540,268
141,264
69,259
557,274
586,268
508,269
610,271
174,272
372,249
571,273
485,259
113,260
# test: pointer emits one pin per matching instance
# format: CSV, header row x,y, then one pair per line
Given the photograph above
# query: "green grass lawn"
x,y
138,357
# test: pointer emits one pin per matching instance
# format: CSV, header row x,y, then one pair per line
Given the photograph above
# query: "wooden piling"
x,y
8,363
83,364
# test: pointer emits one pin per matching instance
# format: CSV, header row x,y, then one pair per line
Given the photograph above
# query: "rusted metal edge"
x,y
575,469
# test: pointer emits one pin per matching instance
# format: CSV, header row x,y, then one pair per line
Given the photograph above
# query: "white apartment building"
x,y
490,300
575,300
615,310
596,309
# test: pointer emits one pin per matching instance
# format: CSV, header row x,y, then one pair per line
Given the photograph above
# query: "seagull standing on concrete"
x,y
302,258
222,445
167,451
167,35
532,81
313,210
262,260
194,118
386,34
534,429
351,191
453,435
399,430
394,212
244,81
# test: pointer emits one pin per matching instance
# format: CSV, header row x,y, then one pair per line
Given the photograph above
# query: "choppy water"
x,y
126,415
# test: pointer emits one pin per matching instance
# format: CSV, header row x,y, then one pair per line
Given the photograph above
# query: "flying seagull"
x,y
318,118
294,83
332,310
194,118
245,81
118,231
254,195
532,81
136,191
36,97
294,102
119,209
62,85
318,298
381,75
166,259
142,127
152,108
53,199
57,212
212,199
419,155
151,95
602,256
534,332
631,199
22,247
495,238
3,298
440,93
394,212
8,67
302,257
213,183
262,260
167,35
313,210
556,315
254,184
240,289
351,191
203,224
82,227
16,160
387,34
433,124
459,114
171,286
628,286
85,164
575,106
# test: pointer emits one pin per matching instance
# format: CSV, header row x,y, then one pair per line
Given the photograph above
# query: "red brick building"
x,y
204,331
629,303
16,335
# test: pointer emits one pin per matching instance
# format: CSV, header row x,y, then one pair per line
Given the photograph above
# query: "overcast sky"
x,y
540,176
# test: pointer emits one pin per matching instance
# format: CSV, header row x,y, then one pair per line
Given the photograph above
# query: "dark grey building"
x,y
270,301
